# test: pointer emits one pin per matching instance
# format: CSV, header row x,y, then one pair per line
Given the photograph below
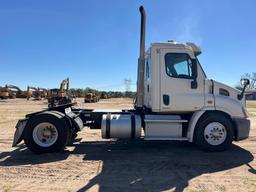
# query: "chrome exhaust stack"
x,y
141,63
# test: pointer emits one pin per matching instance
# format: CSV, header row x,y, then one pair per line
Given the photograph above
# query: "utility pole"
x,y
127,84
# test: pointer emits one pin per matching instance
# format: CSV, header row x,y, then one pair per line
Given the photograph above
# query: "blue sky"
x,y
96,43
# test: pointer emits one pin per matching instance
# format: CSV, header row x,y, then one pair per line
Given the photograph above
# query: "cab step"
x,y
164,127
166,138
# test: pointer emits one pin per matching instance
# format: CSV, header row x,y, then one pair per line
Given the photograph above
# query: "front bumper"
x,y
242,128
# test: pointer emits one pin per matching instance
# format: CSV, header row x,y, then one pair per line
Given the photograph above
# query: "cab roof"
x,y
172,44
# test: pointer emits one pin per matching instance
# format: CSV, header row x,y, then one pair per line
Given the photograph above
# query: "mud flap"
x,y
19,130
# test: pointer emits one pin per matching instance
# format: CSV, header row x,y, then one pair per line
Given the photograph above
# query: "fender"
x,y
192,124
194,119
74,120
18,135
196,116
21,125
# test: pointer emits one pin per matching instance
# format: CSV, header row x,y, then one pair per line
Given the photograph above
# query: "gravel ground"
x,y
95,164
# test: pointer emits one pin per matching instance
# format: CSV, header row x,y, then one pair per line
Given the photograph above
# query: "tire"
x,y
59,131
214,132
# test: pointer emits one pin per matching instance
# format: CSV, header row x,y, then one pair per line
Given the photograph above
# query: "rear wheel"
x,y
214,132
46,133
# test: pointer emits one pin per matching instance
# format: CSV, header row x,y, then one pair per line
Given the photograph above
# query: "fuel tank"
x,y
120,126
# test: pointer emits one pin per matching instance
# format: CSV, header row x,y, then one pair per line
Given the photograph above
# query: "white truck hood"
x,y
233,93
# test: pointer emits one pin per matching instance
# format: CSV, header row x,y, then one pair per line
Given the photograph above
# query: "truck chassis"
x,y
52,129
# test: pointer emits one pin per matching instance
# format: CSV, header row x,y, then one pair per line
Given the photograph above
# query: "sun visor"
x,y
196,49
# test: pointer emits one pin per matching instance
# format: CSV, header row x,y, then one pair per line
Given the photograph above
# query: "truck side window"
x,y
178,65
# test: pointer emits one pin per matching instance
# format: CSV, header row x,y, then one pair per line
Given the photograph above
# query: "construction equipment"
x,y
103,95
33,92
4,94
59,96
64,86
91,98
17,92
175,101
12,94
43,92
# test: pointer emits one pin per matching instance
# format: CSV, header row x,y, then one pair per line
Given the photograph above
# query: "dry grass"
x,y
251,107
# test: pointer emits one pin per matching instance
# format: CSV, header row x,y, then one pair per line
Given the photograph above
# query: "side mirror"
x,y
194,84
245,83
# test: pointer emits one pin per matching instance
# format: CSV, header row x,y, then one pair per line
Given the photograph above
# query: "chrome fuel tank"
x,y
120,126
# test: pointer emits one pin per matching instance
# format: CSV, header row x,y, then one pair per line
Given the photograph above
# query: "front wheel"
x,y
46,133
214,132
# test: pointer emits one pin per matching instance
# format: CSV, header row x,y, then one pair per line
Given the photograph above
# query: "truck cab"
x,y
172,75
176,84
175,81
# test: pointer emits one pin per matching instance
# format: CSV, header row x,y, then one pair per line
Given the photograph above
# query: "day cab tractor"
x,y
175,101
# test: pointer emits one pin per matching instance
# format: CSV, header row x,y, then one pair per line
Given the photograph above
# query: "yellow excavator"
x,y
12,93
59,96
43,92
64,86
4,94
15,91
91,98
33,92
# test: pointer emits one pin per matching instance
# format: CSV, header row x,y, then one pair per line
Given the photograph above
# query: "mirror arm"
x,y
241,95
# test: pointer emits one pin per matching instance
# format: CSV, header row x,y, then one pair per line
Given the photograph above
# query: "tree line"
x,y
79,92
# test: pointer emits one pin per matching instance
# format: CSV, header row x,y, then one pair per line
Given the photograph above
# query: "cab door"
x,y
177,92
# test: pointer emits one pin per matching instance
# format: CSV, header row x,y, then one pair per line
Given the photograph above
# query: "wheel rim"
x,y
215,133
45,134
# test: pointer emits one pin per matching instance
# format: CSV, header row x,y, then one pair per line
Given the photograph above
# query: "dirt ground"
x,y
94,164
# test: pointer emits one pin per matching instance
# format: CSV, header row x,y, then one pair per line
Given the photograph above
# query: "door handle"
x,y
166,99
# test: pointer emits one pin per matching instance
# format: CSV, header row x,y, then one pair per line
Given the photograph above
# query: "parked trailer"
x,y
175,101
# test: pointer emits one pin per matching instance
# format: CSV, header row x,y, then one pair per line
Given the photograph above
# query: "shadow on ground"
x,y
141,165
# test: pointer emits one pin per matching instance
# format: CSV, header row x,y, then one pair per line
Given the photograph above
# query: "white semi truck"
x,y
175,101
